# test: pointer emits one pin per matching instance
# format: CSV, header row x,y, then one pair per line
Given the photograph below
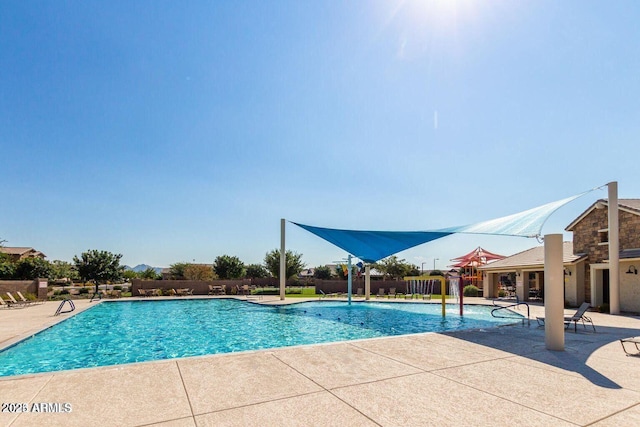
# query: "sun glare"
x,y
426,23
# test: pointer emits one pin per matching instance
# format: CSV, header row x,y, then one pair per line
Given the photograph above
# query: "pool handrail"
x,y
71,305
516,304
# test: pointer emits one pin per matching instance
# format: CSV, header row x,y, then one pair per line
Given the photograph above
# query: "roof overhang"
x,y
533,266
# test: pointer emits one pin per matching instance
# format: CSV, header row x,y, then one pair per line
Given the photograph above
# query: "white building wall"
x,y
629,288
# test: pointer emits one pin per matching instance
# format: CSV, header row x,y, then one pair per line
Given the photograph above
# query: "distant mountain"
x,y
142,267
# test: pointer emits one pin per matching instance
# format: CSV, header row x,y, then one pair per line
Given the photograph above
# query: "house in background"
x,y
591,236
528,267
16,254
586,261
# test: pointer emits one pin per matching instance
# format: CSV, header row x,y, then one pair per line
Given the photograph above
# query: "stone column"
x,y
367,282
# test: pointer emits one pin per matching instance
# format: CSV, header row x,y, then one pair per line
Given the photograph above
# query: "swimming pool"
x,y
120,332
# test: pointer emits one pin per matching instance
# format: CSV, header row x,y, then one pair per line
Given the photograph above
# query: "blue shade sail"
x,y
371,246
524,224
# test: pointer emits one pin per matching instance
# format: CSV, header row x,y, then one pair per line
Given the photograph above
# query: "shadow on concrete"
x,y
528,341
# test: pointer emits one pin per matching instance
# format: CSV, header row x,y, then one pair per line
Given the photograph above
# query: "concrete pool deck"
x,y
499,376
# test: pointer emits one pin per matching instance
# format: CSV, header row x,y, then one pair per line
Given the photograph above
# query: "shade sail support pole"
x,y
614,249
349,279
443,292
283,260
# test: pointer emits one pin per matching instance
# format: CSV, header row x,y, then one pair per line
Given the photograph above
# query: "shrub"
x,y
502,293
31,297
83,290
470,291
117,288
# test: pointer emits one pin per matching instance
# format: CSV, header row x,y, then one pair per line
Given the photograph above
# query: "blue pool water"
x,y
113,333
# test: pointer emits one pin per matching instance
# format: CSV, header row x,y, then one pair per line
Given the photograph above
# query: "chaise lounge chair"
x,y
633,340
577,317
13,301
380,293
392,293
22,298
9,304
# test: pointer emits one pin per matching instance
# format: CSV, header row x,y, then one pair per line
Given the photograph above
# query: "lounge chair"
x,y
580,317
359,292
392,293
380,293
633,340
323,294
577,317
22,298
13,301
8,304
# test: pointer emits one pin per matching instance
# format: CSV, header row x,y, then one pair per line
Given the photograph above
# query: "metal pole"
x,y
614,250
443,291
554,293
349,279
283,260
461,295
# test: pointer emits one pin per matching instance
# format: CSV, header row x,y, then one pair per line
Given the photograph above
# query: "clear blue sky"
x,y
178,131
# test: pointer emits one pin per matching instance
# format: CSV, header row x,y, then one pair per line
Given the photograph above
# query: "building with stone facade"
x,y
586,261
591,237
16,254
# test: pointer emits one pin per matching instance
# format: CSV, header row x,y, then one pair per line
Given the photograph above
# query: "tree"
x,y
149,273
129,275
7,268
342,271
228,267
394,267
63,270
99,267
322,272
32,268
198,272
176,271
413,270
256,271
294,263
